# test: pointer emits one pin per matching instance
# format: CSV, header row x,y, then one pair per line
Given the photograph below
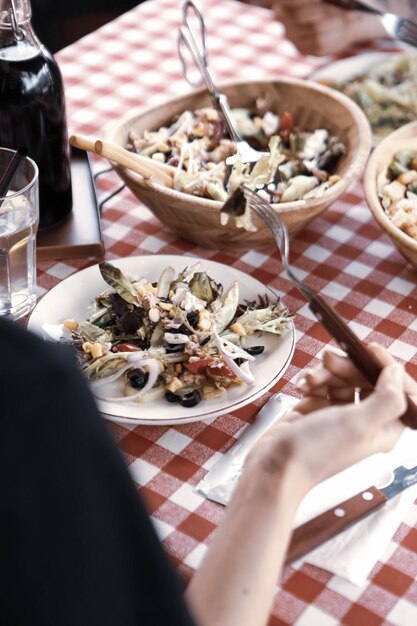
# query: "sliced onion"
x,y
164,282
152,366
241,371
176,338
130,357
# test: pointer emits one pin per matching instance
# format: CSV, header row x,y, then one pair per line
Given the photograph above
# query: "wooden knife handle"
x,y
356,349
329,524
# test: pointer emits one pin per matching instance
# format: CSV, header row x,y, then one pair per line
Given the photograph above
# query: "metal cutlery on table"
x,y
198,50
324,527
220,482
334,324
397,27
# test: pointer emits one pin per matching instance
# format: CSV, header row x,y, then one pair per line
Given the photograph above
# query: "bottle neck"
x,y
15,24
14,13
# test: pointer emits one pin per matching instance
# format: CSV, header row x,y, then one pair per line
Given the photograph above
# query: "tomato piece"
x,y
212,368
286,123
199,367
127,347
220,371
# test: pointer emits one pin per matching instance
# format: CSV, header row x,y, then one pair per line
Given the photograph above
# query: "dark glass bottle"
x,y
32,108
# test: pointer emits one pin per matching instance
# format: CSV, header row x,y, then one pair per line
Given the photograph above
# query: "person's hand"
x,y
327,432
319,29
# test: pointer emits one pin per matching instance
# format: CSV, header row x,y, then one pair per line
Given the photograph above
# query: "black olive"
x,y
171,397
119,305
255,350
183,330
172,348
130,321
193,318
138,378
205,340
190,399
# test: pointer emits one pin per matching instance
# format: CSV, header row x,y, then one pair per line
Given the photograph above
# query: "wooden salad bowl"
x,y
402,139
198,219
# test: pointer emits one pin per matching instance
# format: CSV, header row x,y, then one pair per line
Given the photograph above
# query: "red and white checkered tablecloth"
x,y
132,62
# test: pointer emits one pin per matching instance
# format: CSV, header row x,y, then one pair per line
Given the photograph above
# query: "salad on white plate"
x,y
74,301
184,337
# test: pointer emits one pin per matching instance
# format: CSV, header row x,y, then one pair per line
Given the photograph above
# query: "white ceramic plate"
x,y
345,69
71,298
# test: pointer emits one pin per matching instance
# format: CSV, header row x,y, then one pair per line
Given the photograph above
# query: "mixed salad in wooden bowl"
x,y
296,164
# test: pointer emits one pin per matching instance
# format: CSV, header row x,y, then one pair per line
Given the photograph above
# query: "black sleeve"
x,y
76,545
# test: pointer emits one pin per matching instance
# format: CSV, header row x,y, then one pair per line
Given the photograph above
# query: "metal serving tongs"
x,y
332,322
186,39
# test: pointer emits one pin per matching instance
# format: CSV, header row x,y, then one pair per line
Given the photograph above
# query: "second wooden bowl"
x,y
404,138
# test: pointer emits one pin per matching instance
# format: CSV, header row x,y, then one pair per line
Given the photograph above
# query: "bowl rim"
x,y
329,196
386,148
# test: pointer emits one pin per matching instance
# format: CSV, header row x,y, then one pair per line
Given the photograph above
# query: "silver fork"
x,y
400,28
332,322
397,27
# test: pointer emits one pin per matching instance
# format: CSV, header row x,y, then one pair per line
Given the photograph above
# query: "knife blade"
x,y
324,527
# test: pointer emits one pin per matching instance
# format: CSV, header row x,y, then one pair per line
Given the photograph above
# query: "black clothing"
x,y
76,545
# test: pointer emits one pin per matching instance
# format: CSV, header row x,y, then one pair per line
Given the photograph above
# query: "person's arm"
x,y
320,29
237,580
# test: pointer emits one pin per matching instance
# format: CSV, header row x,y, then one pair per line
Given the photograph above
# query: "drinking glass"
x,y
19,218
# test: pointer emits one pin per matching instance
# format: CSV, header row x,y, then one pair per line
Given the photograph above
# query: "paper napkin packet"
x,y
353,553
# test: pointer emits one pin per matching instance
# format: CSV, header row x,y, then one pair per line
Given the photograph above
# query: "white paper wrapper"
x,y
353,553
219,483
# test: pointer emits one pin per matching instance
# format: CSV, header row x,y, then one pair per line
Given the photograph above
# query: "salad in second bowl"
x,y
298,164
397,190
184,337
386,91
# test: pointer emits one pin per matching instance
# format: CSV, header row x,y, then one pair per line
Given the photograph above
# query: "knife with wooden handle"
x,y
355,348
320,529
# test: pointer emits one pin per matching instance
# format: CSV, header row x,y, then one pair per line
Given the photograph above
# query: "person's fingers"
x,y
320,383
335,394
381,354
341,394
385,358
388,401
310,404
342,367
317,378
312,382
